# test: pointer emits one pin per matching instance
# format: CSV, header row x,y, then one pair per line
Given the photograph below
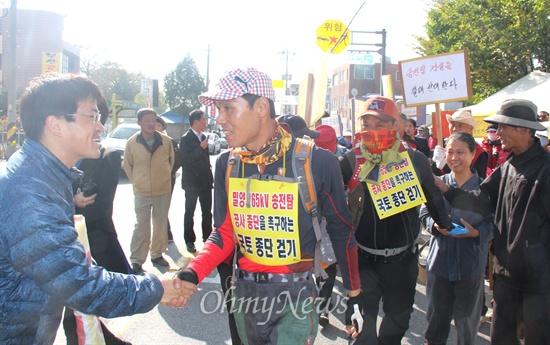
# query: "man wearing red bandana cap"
x,y
386,233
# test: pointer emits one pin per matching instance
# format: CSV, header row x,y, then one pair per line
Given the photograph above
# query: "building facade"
x,y
363,78
38,32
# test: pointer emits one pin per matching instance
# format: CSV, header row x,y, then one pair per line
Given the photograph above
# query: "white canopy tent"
x,y
535,87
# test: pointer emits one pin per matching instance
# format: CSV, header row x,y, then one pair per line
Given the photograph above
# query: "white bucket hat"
x,y
462,116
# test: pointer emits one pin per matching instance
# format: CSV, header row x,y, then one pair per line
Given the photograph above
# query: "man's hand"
x,y
82,201
204,143
176,292
439,157
443,187
354,314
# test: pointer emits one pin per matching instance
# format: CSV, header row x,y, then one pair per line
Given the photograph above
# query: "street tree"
x,y
183,85
505,39
111,78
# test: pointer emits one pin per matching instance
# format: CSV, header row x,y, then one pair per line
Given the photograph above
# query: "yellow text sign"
x,y
398,189
328,36
265,219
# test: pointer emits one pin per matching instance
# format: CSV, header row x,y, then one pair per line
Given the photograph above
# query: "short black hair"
x,y
54,94
195,115
103,107
464,137
145,111
251,99
161,121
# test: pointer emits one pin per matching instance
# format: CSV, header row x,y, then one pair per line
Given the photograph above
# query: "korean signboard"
x,y
436,79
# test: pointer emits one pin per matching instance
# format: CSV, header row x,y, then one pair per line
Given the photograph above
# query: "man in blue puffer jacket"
x,y
43,267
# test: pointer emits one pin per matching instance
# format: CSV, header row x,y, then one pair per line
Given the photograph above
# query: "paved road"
x,y
203,321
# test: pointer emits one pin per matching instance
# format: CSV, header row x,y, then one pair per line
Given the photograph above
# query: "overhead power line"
x,y
345,33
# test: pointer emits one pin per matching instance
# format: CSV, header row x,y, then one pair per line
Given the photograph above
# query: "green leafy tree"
x,y
162,103
182,86
111,78
505,39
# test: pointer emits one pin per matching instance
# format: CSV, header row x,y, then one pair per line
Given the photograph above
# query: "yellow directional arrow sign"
x,y
328,36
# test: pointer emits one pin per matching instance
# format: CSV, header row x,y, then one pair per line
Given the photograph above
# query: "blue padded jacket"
x,y
43,267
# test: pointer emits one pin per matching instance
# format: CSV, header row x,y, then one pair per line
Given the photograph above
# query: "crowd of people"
x,y
284,210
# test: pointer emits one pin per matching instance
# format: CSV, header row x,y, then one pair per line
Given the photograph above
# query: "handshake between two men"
x,y
176,292
179,290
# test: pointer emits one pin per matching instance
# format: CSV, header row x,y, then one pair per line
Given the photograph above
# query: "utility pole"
x,y
208,109
286,78
286,74
383,52
12,88
352,115
358,39
208,68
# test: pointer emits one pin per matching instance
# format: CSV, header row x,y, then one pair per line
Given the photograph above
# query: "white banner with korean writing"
x,y
436,79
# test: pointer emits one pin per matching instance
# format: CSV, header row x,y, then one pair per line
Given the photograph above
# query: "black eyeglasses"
x,y
95,117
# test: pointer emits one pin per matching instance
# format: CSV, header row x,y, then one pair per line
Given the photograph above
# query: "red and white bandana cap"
x,y
236,83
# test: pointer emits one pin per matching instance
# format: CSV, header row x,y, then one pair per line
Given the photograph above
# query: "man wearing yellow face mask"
x,y
387,181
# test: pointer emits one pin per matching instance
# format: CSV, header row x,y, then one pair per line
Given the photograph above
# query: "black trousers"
x,y
105,247
392,280
205,199
226,271
325,292
519,315
170,235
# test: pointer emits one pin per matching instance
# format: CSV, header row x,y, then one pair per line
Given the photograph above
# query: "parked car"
x,y
223,144
213,143
116,140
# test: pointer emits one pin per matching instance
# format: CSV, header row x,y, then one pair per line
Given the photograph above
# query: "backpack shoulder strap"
x,y
350,156
233,162
356,159
301,167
